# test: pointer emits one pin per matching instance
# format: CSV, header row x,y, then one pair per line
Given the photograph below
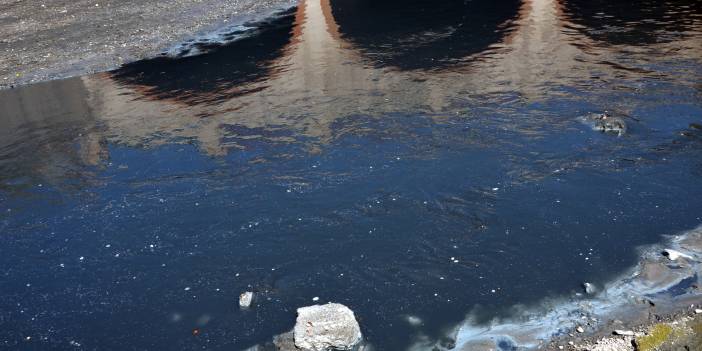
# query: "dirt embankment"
x,y
41,40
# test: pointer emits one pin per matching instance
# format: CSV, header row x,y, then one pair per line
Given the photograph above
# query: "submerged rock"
x,y
607,123
414,321
326,327
611,125
285,342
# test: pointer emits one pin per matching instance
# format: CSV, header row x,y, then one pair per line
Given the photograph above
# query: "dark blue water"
x,y
402,158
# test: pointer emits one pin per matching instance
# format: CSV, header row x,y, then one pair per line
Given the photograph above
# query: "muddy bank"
x,y
56,39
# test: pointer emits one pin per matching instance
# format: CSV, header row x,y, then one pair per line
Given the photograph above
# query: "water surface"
x,y
403,158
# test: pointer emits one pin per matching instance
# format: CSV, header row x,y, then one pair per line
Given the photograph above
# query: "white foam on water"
x,y
243,26
655,277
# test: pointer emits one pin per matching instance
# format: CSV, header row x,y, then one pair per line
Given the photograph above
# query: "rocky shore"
x,y
56,39
657,305
680,330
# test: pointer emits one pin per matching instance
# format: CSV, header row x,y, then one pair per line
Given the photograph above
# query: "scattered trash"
x,y
245,299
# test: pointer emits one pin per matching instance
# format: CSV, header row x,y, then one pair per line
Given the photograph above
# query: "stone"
x,y
580,329
245,299
674,255
589,288
611,344
285,342
607,123
326,327
623,332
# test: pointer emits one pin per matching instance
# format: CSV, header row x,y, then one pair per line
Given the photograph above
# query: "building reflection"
x,y
637,24
301,77
418,34
48,134
332,62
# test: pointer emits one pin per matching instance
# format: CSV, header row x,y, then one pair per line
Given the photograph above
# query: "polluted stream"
x,y
434,167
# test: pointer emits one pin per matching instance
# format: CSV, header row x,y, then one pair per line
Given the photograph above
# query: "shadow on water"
x,y
638,24
459,171
221,74
417,34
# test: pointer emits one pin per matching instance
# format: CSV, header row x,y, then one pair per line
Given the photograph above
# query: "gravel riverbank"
x,y
43,40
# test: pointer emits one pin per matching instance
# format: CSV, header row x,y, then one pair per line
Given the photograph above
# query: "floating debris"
x,y
245,299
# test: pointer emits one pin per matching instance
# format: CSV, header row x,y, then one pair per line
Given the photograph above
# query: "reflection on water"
x,y
349,150
219,76
417,34
619,23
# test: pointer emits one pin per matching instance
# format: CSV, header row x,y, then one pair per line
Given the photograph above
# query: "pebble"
x,y
624,332
698,311
245,299
580,329
315,299
674,255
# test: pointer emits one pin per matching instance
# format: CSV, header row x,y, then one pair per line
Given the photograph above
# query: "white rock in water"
x,y
580,329
326,327
674,255
624,332
698,311
589,288
245,299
